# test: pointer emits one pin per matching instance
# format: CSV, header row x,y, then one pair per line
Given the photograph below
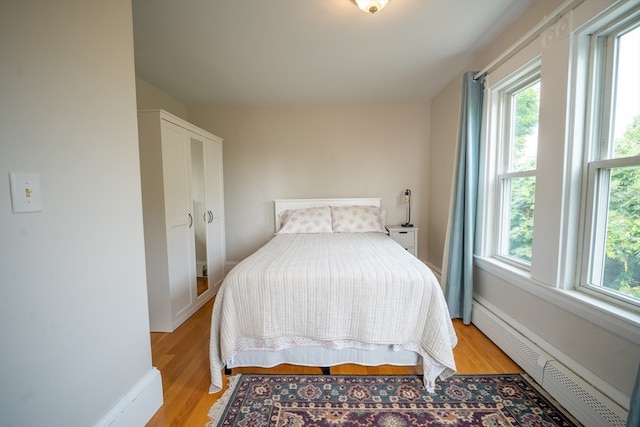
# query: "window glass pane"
x,y
626,105
521,207
613,170
524,147
621,261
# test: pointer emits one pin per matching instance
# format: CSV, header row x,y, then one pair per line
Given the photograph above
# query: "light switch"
x,y
25,192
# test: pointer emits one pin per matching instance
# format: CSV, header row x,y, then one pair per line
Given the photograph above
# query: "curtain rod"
x,y
548,21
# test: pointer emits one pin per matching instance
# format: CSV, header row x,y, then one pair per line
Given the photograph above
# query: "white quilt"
x,y
336,289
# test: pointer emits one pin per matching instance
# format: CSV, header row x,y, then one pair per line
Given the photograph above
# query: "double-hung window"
x,y
611,223
516,179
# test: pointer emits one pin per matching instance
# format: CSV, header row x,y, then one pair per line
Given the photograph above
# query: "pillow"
x,y
306,220
358,219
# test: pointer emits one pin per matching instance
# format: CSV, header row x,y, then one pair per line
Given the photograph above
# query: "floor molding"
x,y
137,406
556,373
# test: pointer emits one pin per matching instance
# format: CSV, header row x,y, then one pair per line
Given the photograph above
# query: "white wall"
x,y
352,150
598,344
149,97
74,331
445,113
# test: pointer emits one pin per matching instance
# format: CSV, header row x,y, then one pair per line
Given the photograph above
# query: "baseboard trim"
x,y
187,313
436,271
137,406
520,349
581,392
581,399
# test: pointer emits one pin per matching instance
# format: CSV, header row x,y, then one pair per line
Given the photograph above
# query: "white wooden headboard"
x,y
284,204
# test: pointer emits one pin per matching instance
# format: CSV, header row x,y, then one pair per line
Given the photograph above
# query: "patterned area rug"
x,y
385,401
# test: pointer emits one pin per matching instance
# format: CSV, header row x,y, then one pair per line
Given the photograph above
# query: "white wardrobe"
x,y
183,209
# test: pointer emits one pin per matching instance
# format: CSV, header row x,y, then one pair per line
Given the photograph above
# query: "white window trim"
x,y
615,317
591,230
500,226
586,120
493,159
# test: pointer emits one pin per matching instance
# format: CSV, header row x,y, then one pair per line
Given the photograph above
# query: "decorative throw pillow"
x,y
306,220
358,219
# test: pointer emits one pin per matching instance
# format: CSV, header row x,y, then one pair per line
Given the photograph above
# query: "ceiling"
x,y
283,52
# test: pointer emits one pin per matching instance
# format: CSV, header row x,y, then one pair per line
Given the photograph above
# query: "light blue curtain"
x,y
459,268
633,420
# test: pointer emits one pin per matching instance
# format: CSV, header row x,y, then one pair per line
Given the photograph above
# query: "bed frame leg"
x,y
227,371
326,370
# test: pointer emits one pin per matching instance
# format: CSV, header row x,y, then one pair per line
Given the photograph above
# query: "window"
x,y
559,191
611,264
516,179
559,200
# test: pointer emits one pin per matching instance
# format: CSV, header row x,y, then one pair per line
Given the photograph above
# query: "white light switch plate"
x,y
25,192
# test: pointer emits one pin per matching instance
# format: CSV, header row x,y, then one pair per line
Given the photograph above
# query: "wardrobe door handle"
x,y
210,217
190,220
204,217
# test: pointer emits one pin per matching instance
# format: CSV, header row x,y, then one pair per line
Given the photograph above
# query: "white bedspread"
x,y
340,289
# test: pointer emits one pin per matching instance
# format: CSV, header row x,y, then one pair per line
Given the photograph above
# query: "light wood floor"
x,y
183,360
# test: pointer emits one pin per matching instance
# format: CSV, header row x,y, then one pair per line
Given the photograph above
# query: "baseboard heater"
x,y
587,404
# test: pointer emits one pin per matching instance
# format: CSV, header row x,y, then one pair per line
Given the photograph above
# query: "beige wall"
x,y
595,341
149,97
74,326
353,150
445,113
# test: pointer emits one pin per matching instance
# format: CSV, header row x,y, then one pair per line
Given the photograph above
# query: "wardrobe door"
x,y
179,218
181,177
215,207
200,214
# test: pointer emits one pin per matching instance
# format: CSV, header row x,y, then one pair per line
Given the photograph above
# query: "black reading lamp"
x,y
407,202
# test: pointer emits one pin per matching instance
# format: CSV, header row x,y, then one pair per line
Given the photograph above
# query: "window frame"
x,y
557,252
598,41
504,176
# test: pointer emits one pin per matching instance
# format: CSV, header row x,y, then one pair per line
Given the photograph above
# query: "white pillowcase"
x,y
358,219
306,220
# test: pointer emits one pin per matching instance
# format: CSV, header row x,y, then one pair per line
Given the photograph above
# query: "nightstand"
x,y
406,236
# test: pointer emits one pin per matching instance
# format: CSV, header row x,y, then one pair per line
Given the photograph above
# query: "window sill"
x,y
618,320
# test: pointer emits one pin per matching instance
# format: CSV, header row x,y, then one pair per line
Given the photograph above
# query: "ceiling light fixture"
x,y
371,6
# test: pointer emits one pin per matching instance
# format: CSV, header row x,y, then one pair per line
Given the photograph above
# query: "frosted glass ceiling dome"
x,y
371,6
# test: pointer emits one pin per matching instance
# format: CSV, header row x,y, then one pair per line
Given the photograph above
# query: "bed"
x,y
331,287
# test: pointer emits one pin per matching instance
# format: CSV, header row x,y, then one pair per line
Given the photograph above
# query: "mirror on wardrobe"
x,y
199,214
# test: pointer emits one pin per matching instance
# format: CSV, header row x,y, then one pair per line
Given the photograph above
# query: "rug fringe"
x,y
550,398
217,410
